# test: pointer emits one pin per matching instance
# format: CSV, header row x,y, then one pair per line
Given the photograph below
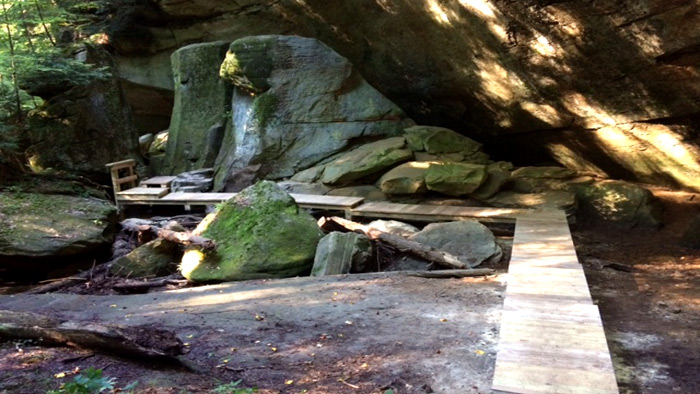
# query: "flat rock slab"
x,y
373,330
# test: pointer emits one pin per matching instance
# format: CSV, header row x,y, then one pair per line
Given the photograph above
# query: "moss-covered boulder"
x,y
53,229
554,199
156,258
619,202
296,102
260,233
543,172
408,178
366,160
202,101
437,140
455,179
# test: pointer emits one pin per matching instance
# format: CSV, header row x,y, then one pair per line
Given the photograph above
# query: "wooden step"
x,y
142,193
158,181
432,213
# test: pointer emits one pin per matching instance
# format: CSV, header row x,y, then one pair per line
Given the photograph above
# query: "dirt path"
x,y
352,334
652,314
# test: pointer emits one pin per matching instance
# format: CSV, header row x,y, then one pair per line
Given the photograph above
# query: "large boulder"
x,y
619,202
455,179
553,199
342,253
68,132
691,235
260,233
496,68
51,230
408,178
296,102
368,159
468,240
156,258
202,101
435,140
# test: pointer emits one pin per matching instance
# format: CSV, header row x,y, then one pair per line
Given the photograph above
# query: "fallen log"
x,y
448,274
136,341
417,249
181,238
134,286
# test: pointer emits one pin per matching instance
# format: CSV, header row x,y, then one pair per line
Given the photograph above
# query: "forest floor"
x,y
383,333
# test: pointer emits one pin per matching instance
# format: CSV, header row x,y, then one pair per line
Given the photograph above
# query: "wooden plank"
x,y
158,181
135,194
431,213
121,164
552,338
327,202
127,179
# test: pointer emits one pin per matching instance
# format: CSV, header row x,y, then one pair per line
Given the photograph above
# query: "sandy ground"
x,y
351,334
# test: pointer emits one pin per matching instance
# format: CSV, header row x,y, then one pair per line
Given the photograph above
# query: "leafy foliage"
x,y
42,53
91,382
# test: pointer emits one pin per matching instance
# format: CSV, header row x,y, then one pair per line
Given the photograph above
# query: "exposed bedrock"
x,y
480,67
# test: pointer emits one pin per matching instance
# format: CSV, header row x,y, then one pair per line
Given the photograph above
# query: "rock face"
x,y
34,227
487,67
202,100
260,233
296,102
69,131
342,253
470,241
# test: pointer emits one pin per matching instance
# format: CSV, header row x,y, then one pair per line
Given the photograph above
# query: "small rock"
x,y
468,240
368,192
341,253
436,140
304,188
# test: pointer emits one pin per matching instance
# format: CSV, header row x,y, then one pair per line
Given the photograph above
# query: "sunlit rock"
x,y
260,233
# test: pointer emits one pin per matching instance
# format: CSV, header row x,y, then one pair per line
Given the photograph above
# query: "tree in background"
x,y
42,45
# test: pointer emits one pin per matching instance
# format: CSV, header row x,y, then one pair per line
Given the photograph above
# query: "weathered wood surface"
x,y
143,195
158,181
551,337
431,213
148,194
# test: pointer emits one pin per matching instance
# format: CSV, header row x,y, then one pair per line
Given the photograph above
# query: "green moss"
x,y
248,64
264,106
259,234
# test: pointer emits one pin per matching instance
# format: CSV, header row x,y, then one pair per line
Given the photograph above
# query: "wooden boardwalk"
x,y
551,337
